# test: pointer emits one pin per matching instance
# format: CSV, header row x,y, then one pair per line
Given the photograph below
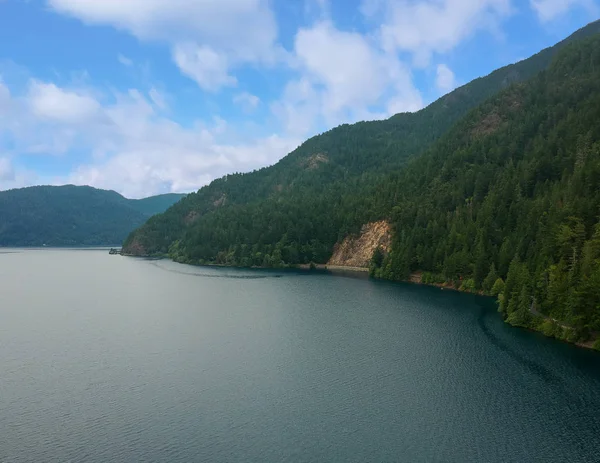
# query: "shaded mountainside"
x,y
493,188
72,215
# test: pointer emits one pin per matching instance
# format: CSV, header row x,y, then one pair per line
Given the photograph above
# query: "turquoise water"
x,y
114,359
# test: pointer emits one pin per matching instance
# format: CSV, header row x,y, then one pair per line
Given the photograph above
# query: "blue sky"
x,y
153,96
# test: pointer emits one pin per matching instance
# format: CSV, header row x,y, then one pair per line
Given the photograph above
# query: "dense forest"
x,y
73,215
493,188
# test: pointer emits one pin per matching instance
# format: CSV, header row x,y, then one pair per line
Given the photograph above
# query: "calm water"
x,y
113,359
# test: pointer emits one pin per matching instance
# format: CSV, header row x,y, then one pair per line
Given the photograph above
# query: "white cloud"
x,y
548,10
4,97
157,98
299,109
433,26
175,159
208,37
445,80
51,102
344,77
204,65
247,101
127,140
128,145
124,60
11,177
7,173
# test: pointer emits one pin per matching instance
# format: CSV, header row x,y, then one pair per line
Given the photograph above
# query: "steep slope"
x,y
508,202
319,176
72,215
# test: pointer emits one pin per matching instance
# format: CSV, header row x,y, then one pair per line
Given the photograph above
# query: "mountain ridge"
x,y
70,215
347,152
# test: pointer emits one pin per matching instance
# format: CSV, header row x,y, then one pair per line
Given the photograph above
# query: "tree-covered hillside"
x,y
499,195
72,215
508,201
330,167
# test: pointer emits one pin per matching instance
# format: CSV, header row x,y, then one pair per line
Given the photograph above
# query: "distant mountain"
x,y
73,215
155,204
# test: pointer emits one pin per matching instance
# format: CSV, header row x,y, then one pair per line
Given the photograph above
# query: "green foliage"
x,y
490,279
468,285
72,215
494,185
376,261
429,278
498,287
597,345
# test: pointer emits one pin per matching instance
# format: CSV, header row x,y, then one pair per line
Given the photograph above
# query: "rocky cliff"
x,y
357,251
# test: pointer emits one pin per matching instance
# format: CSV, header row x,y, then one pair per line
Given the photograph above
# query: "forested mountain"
x,y
332,165
72,215
154,204
493,188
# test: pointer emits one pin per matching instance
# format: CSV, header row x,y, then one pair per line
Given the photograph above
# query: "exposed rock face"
x,y
357,251
313,162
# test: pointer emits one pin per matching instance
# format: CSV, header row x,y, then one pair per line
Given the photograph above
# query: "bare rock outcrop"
x,y
357,251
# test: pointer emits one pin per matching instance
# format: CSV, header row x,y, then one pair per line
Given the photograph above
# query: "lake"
x,y
115,359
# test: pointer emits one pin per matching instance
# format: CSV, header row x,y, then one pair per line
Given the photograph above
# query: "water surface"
x,y
114,359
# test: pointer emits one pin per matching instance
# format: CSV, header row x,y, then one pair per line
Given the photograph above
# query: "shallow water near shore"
x,y
108,358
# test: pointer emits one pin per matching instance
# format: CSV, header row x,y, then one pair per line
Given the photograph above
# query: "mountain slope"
x,y
508,201
321,173
72,215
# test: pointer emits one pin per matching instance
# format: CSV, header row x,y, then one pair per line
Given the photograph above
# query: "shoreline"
x,y
414,278
332,267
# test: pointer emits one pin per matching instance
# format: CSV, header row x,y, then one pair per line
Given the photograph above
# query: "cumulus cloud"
x,y
433,26
158,98
204,65
208,37
159,163
548,10
124,60
247,101
444,80
51,102
12,177
4,96
7,173
135,148
128,140
345,77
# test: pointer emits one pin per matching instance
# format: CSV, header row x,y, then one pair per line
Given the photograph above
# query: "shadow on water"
x,y
257,273
534,367
218,274
578,418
